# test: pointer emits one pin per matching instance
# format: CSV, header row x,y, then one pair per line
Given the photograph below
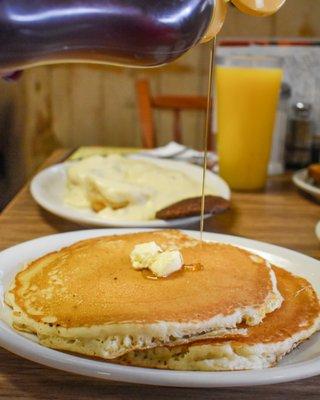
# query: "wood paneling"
x,y
85,104
299,18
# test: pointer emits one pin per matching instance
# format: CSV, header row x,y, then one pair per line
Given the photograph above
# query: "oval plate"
x,y
48,189
303,362
300,179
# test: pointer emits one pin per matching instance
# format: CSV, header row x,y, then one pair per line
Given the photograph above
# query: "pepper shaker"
x,y
299,138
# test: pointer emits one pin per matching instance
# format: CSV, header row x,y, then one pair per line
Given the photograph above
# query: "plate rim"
x,y
130,374
85,220
317,229
299,181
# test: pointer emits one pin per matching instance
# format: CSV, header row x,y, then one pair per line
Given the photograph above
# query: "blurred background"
x,y
79,105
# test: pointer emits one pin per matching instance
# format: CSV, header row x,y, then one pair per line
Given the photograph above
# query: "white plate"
x,y
301,363
300,179
48,188
318,230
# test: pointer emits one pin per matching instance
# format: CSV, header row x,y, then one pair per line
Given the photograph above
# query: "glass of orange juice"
x,y
247,93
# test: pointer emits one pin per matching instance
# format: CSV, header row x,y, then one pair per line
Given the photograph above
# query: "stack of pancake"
x,y
227,309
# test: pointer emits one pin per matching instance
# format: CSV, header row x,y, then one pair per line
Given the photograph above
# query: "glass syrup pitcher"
x,y
138,33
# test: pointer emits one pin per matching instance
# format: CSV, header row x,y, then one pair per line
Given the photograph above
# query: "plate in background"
x,y
303,362
301,180
48,189
318,230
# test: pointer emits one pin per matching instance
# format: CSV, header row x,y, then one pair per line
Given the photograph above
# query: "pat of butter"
x,y
161,263
166,263
144,254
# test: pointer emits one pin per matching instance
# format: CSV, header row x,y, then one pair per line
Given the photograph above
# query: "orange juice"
x,y
247,100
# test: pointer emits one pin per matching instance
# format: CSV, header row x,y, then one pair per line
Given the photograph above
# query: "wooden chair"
x,y
147,103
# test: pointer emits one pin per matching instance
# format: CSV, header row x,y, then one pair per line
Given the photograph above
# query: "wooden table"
x,y
280,215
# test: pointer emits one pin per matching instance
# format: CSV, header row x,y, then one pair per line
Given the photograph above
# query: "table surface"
x,y
280,215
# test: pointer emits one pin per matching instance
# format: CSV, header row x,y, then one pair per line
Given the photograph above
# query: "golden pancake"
x,y
87,297
265,344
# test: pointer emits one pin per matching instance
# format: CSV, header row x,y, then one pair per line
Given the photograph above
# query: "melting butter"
x,y
150,256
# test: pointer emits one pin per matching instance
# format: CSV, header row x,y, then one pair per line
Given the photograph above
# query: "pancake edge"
x,y
111,341
228,356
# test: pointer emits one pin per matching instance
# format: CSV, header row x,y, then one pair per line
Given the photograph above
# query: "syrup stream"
x,y
206,131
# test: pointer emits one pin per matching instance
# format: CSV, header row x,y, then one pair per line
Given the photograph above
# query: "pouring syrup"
x,y
206,132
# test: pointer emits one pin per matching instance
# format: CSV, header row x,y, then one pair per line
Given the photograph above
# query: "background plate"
x,y
301,363
48,189
300,179
318,230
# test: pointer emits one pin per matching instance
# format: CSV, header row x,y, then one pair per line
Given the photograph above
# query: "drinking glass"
x,y
247,89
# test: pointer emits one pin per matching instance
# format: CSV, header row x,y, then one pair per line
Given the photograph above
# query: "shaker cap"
x,y
302,109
